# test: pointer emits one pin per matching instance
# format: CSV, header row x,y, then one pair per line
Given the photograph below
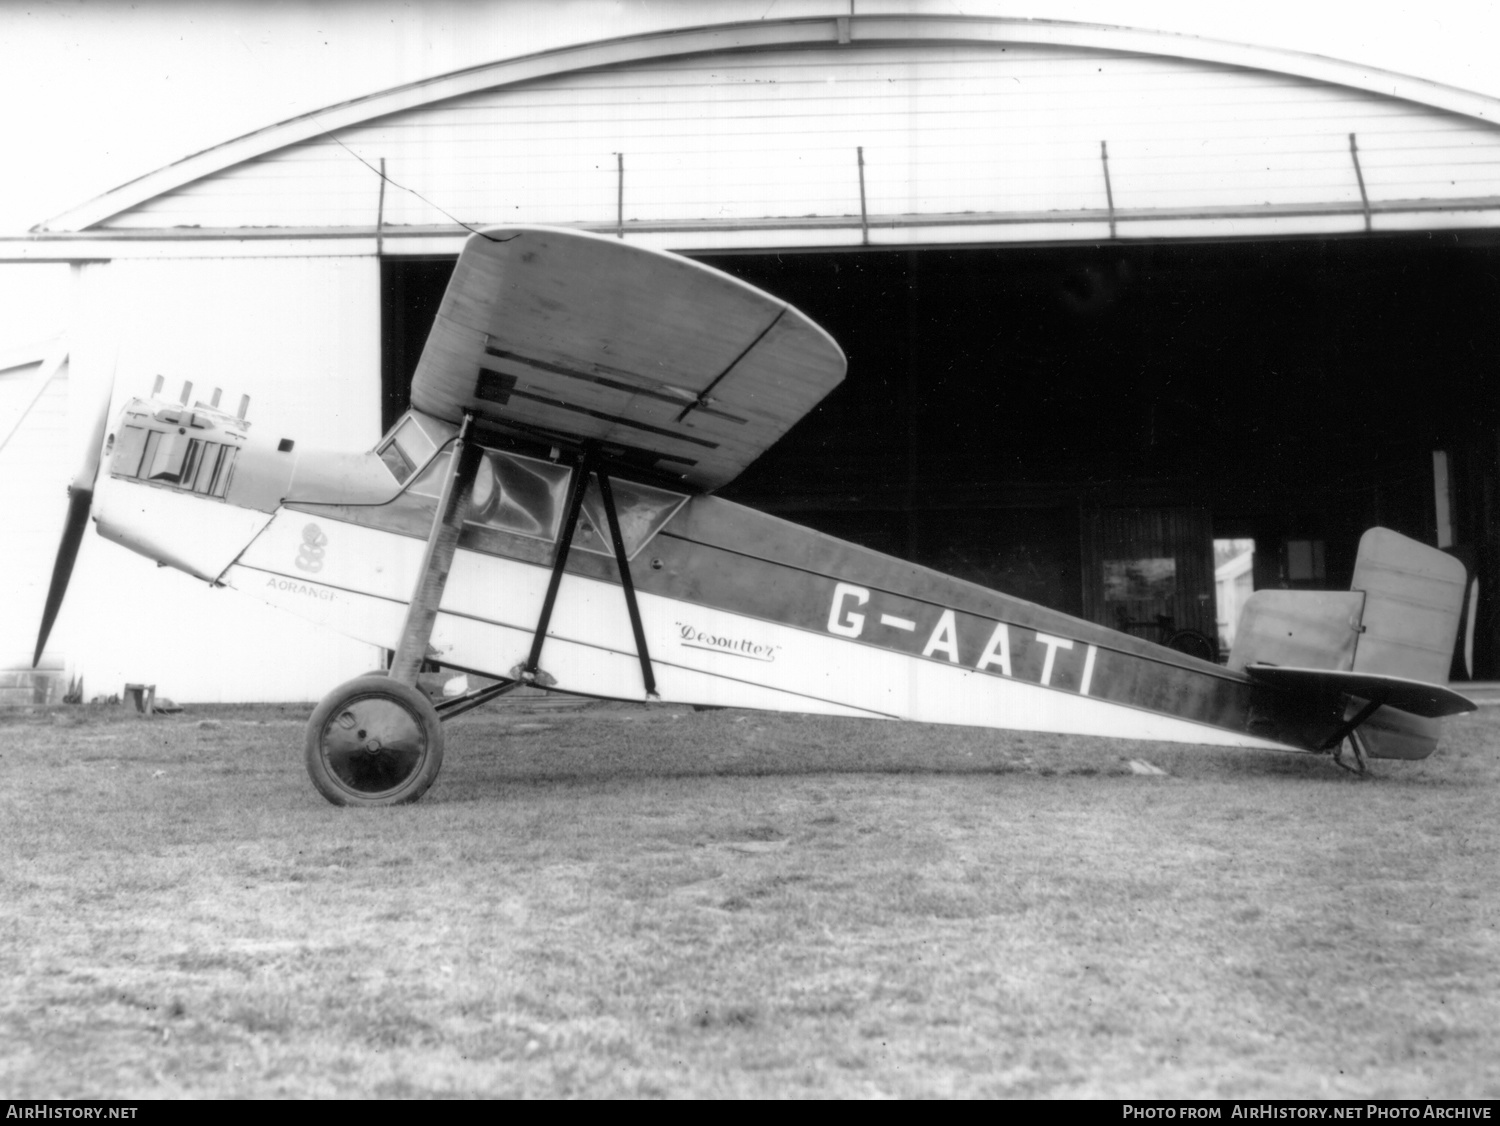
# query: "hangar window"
x,y
1305,561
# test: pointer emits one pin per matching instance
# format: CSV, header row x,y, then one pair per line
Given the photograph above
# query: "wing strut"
x,y
442,544
607,494
531,672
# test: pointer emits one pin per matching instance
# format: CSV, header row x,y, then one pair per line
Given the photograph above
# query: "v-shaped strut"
x,y
442,545
531,672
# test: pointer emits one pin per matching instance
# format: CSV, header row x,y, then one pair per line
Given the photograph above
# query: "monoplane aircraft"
x,y
544,515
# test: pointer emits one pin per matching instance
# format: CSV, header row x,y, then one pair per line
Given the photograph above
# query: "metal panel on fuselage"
x,y
743,609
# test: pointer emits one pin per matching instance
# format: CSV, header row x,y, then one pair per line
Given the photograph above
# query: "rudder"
x,y
1414,596
1399,619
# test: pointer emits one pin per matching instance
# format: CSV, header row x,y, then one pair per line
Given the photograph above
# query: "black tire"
x,y
374,741
1194,644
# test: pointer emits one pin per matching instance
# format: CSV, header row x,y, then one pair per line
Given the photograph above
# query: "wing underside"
x,y
658,359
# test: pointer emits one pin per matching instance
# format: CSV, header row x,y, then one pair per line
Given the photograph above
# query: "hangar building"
x,y
1107,295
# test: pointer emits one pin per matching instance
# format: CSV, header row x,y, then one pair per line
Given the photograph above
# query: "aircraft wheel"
x,y
374,741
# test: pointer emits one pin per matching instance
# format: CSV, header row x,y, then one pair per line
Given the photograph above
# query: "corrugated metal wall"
x,y
946,131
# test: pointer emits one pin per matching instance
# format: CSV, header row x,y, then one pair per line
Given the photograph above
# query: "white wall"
x,y
114,89
33,472
301,337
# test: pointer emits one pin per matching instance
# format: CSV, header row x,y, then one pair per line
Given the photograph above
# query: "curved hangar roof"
x,y
841,131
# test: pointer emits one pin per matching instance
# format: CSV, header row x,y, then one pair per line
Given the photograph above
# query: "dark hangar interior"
x,y
1017,416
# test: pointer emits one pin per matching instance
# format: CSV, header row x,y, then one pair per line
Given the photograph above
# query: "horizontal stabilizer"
x,y
1414,696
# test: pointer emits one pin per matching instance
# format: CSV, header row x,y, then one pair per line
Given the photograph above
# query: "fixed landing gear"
x,y
374,741
377,740
1360,764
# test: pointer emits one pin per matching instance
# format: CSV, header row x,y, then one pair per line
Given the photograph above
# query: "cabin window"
x,y
641,509
518,494
512,493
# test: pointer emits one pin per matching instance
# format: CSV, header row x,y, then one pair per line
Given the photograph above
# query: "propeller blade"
x,y
62,570
80,497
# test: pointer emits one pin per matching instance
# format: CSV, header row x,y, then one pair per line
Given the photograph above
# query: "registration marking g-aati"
x,y
846,619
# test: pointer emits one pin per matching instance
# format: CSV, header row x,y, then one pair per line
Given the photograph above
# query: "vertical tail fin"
x,y
1414,595
1399,619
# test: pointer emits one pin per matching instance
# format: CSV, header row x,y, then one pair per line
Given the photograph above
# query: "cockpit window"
x,y
396,461
414,440
527,496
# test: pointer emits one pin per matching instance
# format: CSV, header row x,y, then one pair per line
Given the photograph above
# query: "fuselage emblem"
x,y
310,552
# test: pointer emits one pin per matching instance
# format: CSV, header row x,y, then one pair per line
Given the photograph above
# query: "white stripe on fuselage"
x,y
357,580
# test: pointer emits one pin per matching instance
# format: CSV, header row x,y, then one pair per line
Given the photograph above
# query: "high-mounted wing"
x,y
675,365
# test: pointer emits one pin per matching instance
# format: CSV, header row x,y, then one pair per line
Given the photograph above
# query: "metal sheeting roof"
x,y
970,129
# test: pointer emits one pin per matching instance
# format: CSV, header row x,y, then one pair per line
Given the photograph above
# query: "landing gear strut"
x,y
377,740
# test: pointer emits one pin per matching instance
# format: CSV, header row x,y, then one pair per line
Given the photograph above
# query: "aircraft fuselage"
x,y
739,608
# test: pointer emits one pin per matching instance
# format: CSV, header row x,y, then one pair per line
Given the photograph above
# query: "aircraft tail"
x,y
1393,631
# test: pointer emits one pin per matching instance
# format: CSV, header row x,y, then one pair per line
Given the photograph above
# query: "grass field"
x,y
606,900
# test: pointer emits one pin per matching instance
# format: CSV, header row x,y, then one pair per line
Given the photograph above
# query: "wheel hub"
x,y
374,741
373,745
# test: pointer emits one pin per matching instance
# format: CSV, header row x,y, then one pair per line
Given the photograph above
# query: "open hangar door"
x,y
1074,425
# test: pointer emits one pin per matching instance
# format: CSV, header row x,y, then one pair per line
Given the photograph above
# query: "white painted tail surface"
x,y
1307,629
1400,618
1414,595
